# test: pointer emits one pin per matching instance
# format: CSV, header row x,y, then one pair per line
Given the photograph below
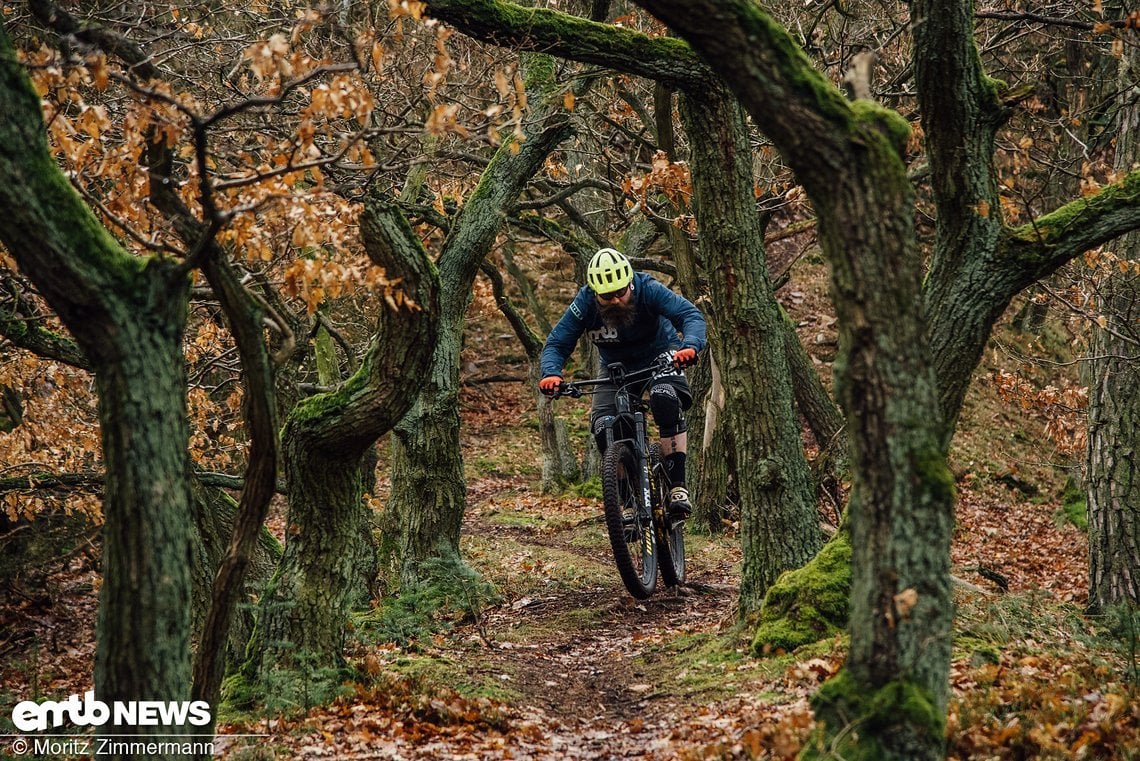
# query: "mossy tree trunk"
x,y
428,486
328,566
779,529
127,315
1114,406
848,156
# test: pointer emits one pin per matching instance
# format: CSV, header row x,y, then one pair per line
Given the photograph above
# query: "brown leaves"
x,y
671,179
314,280
58,433
1061,408
1038,707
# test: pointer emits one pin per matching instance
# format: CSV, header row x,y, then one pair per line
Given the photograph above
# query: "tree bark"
x,y
1113,482
127,316
779,529
1114,406
215,513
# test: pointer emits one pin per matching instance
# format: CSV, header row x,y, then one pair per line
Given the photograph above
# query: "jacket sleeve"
x,y
684,315
564,336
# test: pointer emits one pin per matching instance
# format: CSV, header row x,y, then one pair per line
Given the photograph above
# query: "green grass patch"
x,y
709,666
1032,622
520,570
427,674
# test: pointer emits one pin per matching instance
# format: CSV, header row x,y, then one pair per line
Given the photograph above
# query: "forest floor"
x,y
545,656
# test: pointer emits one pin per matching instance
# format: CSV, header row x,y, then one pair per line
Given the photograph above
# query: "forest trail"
x,y
566,664
591,667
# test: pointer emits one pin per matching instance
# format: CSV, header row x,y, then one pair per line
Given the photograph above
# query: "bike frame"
x,y
628,429
629,408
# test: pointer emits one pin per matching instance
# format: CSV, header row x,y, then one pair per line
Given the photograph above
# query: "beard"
x,y
616,314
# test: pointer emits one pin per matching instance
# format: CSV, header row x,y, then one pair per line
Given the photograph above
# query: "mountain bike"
x,y
635,485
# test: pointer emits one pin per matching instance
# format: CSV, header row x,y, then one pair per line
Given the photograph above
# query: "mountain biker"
x,y
633,319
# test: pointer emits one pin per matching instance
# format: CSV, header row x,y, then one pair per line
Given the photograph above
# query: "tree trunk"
x,y
143,628
710,442
1114,406
127,316
214,514
328,566
1114,432
428,487
848,156
779,528
320,578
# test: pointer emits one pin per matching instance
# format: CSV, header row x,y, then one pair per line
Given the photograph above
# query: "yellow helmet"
x,y
609,271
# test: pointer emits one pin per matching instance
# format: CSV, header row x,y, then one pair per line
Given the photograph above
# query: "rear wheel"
x,y
670,534
631,532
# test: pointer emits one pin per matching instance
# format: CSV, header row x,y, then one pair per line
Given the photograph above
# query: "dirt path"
x,y
588,664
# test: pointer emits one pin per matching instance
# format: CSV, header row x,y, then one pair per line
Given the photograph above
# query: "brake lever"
x,y
567,389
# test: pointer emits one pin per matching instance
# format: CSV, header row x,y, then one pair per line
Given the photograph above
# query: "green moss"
x,y
319,406
1074,508
891,123
591,488
808,604
930,465
980,650
994,86
539,76
853,722
239,693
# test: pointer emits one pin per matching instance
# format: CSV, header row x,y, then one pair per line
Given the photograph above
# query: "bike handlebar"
x,y
616,375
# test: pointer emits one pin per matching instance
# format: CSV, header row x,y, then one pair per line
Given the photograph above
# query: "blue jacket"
x,y
661,315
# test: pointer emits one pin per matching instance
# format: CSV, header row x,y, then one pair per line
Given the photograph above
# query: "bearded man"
x,y
633,319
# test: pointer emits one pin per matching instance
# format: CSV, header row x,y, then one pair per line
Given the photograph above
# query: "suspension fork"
x,y
642,448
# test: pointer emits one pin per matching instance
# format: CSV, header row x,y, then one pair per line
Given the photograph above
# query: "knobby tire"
x,y
636,561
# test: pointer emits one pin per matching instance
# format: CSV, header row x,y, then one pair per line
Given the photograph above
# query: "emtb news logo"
x,y
29,716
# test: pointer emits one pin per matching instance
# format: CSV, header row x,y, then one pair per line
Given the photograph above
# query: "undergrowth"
x,y
448,592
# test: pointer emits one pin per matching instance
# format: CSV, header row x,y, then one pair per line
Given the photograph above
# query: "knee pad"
x,y
665,405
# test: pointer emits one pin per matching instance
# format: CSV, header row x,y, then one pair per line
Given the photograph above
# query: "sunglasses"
x,y
614,295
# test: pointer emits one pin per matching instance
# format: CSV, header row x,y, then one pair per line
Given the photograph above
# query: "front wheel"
x,y
628,522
